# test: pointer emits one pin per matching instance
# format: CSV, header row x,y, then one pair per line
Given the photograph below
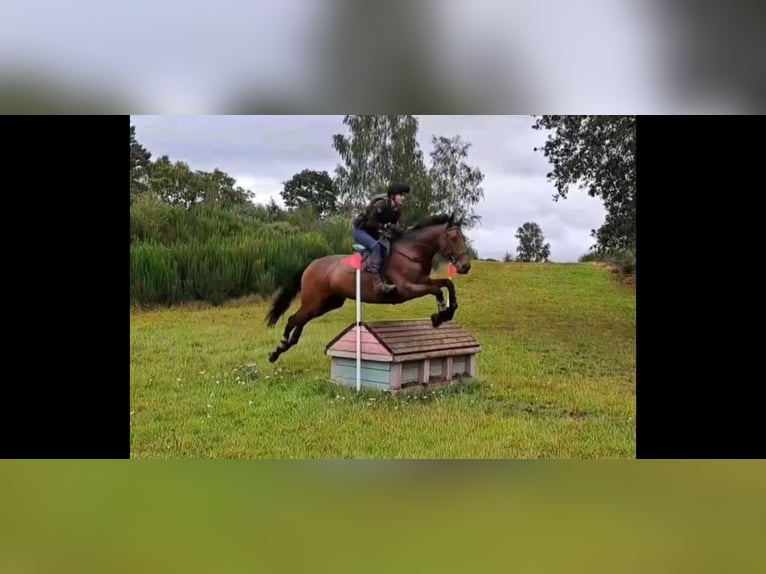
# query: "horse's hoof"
x,y
436,320
273,357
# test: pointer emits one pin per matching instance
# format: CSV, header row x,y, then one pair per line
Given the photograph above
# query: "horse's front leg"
x,y
444,313
409,290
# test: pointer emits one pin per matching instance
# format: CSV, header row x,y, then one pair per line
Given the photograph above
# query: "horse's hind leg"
x,y
284,344
297,321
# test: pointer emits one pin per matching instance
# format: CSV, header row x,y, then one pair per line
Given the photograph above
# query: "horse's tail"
x,y
285,297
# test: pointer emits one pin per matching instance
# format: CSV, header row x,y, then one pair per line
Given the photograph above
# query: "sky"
x,y
262,152
562,57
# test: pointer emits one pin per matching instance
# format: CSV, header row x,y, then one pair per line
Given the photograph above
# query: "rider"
x,y
379,217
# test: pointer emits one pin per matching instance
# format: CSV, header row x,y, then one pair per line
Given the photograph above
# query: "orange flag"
x,y
354,260
451,270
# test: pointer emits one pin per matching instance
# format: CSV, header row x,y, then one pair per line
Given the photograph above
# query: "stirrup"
x,y
382,285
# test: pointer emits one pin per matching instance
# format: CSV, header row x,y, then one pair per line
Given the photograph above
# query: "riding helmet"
x,y
398,188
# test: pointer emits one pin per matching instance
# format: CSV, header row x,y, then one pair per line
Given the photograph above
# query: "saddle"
x,y
386,243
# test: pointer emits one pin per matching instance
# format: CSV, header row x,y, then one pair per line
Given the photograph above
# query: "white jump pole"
x,y
355,261
358,325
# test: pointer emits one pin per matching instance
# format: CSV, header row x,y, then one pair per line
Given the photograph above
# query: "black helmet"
x,y
398,188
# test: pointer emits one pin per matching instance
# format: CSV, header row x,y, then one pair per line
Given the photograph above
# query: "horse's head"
x,y
452,245
440,234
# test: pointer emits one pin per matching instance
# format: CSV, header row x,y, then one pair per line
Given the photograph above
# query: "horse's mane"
x,y
430,221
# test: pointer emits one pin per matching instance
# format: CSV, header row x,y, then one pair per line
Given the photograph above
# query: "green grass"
x,y
124,517
556,378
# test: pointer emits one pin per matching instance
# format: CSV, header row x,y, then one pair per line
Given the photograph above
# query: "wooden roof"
x,y
413,340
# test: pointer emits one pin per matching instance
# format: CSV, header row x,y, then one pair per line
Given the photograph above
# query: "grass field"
x,y
556,378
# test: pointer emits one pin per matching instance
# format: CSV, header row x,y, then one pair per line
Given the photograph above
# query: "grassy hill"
x,y
556,377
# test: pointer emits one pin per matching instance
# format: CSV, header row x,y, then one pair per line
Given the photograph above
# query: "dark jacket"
x,y
377,213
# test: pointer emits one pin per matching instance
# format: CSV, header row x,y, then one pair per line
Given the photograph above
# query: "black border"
x,y
66,395
695,398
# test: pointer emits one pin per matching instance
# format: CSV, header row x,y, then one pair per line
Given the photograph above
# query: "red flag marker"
x,y
451,270
354,260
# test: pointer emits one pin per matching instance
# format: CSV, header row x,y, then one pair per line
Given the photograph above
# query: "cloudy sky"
x,y
262,152
590,56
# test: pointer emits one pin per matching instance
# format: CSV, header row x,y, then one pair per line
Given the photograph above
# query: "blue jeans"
x,y
364,238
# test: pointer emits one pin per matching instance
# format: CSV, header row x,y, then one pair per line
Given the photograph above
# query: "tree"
x,y
597,153
219,188
531,247
139,165
177,184
139,156
380,150
383,149
455,186
311,188
508,257
173,182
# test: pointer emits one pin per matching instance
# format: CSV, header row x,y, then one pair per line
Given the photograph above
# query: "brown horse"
x,y
327,282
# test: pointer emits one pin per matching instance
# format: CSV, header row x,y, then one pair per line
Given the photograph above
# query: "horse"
x,y
327,282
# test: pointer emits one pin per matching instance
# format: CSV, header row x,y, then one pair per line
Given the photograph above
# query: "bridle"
x,y
451,255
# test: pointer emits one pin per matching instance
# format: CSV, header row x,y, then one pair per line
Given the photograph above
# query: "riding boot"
x,y
378,281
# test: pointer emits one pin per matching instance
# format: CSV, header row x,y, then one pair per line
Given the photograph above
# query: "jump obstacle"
x,y
395,356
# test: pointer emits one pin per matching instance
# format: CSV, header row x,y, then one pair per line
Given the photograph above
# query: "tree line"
x,y
596,153
378,150
198,235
